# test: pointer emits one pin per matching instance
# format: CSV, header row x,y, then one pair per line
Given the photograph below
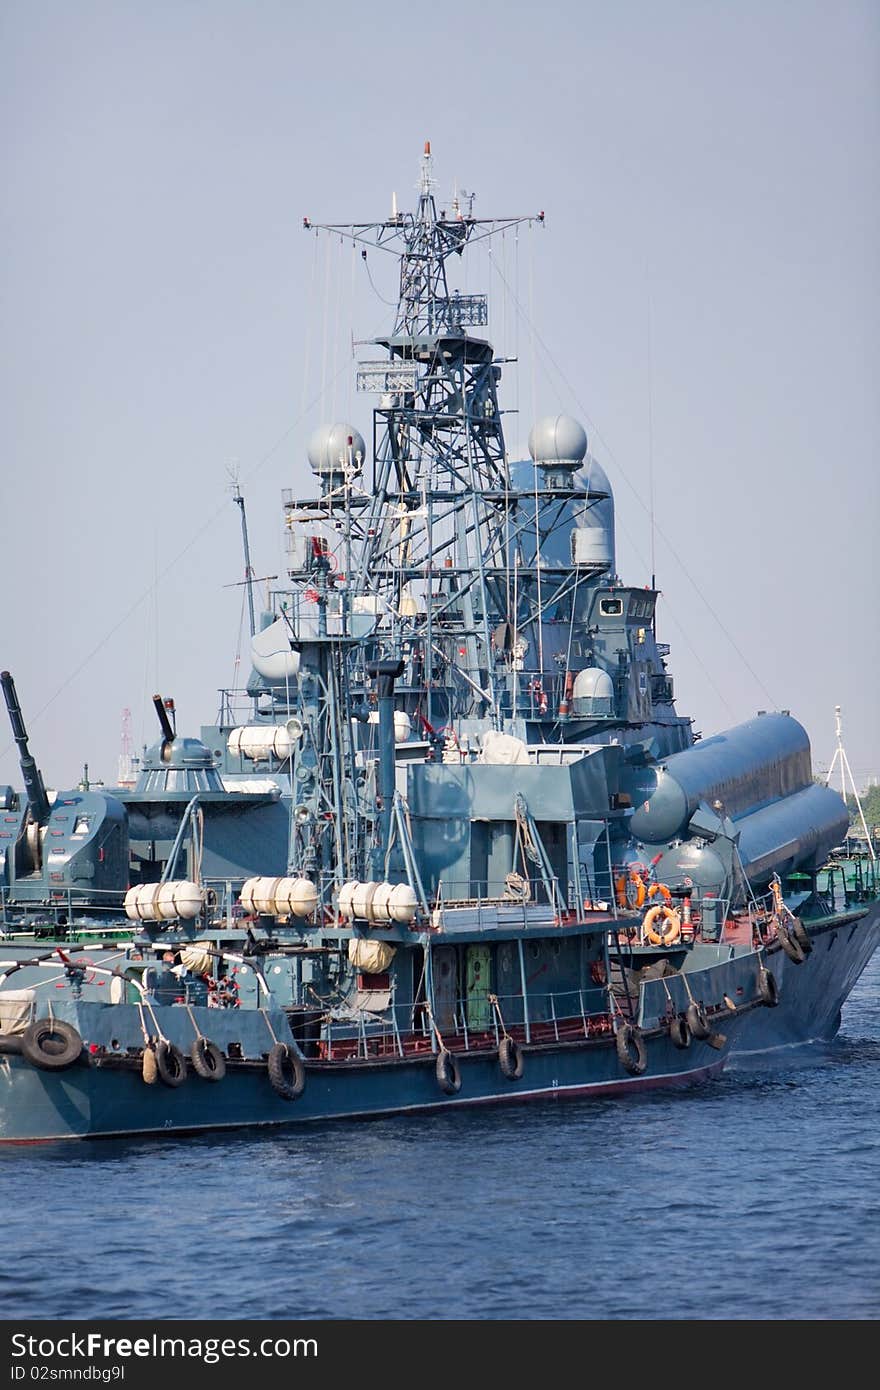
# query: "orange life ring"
x,y
631,890
671,930
662,890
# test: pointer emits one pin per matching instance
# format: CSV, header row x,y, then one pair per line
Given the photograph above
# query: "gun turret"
x,y
38,801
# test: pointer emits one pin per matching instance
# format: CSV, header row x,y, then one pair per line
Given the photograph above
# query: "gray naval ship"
x,y
453,844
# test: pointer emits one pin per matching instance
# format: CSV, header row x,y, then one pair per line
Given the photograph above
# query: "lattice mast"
x,y
434,545
421,574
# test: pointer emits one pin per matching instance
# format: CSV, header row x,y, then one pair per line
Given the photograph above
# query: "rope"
x,y
263,1014
160,1035
140,1009
437,1034
493,1000
198,1030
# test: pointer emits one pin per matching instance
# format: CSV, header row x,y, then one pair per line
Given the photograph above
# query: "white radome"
x,y
558,439
329,450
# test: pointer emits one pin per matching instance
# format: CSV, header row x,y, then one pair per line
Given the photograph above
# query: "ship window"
x,y
611,607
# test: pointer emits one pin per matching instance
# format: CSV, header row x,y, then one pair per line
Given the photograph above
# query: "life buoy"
x,y
286,1071
768,990
631,890
662,890
679,1032
510,1059
669,933
170,1064
207,1059
697,1021
631,1049
51,1044
447,1073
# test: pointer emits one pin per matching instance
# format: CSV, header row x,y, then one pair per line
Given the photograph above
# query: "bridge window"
x,y
611,607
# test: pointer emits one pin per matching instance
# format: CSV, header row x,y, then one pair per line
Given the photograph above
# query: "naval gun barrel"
x,y
38,801
167,729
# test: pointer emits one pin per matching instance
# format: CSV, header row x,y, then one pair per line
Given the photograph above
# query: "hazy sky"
x,y
709,174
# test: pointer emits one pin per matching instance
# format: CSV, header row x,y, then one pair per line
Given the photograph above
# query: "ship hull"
x,y
90,1101
811,995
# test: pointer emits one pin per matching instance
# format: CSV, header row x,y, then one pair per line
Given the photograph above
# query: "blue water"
x,y
753,1196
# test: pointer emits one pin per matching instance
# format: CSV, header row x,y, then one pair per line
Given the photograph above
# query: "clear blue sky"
x,y
706,168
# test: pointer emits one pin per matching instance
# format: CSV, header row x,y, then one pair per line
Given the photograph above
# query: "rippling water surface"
x,y
755,1195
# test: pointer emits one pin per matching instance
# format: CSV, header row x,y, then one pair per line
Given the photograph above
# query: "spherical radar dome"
x,y
330,451
558,439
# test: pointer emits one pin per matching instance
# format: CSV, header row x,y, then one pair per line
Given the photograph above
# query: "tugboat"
x,y
509,870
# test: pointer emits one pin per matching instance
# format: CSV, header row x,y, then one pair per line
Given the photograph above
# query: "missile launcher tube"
x,y
744,768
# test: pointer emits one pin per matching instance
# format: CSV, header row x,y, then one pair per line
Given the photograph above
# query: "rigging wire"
x,y
660,532
236,664
336,352
310,329
351,293
136,603
392,304
651,434
531,321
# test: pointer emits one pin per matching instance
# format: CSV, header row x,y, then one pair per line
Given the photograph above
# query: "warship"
x,y
453,844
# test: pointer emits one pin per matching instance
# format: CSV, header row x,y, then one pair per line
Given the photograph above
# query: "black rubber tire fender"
x,y
791,946
207,1059
801,935
10,1044
510,1058
679,1032
51,1044
286,1071
631,1049
697,1021
447,1072
170,1064
768,989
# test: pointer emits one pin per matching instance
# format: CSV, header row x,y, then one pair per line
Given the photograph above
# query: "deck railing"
x,y
473,1023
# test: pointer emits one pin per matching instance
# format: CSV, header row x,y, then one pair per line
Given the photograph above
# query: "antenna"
x,y
238,499
426,177
651,430
125,771
842,760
